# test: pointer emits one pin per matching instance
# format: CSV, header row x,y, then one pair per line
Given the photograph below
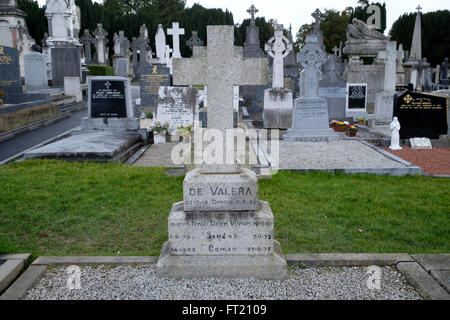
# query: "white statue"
x,y
395,135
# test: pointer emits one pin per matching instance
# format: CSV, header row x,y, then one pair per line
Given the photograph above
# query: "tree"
x,y
334,26
435,34
35,19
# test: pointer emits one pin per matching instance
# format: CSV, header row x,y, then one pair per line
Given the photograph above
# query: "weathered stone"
x,y
35,71
72,87
219,192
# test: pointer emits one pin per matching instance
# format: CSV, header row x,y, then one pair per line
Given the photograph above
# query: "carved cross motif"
x,y
194,41
108,84
278,47
317,15
253,11
419,8
336,51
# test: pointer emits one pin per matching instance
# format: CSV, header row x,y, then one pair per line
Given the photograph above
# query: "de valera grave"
x,y
221,229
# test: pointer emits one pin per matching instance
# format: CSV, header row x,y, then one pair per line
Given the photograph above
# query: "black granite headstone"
x,y
9,71
402,87
357,97
108,99
153,77
421,115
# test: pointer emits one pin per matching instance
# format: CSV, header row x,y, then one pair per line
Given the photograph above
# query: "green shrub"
x,y
100,70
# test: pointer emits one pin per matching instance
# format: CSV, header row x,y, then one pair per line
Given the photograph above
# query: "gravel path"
x,y
140,282
435,161
158,155
334,155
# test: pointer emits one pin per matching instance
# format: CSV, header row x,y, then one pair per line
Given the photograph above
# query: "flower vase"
x,y
351,133
159,138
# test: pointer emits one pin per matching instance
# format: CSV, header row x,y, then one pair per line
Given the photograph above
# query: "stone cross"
x,y
142,43
252,12
124,44
176,32
437,73
135,48
419,8
336,51
317,15
87,40
311,57
220,66
278,47
194,41
101,42
160,42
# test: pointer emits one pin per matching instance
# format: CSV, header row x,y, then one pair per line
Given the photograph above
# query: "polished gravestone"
x,y
151,79
421,115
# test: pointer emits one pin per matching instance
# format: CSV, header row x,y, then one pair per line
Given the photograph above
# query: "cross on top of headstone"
x,y
86,37
176,32
278,47
252,12
336,51
194,41
419,8
317,15
124,44
100,33
220,66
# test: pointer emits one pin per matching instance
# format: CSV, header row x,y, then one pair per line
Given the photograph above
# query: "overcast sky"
x,y
298,12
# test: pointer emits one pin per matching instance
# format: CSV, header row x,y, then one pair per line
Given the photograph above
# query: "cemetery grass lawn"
x,y
59,208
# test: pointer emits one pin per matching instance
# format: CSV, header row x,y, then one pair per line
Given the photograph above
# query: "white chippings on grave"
x,y
142,283
221,229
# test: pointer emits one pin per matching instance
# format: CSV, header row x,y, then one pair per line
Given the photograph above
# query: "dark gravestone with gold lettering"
x,y
11,84
153,77
9,72
421,115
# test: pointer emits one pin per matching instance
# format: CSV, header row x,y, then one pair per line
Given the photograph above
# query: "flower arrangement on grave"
x,y
351,131
341,126
334,124
361,121
147,115
185,132
160,129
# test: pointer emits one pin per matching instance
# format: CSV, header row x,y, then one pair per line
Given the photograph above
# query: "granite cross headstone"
x,y
195,41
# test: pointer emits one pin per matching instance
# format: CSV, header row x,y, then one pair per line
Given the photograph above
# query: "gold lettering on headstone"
x,y
1,50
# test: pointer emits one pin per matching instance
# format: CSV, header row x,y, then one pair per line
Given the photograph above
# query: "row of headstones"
x,y
141,51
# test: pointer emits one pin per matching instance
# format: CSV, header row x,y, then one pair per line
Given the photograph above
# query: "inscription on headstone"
x,y
152,78
176,106
9,71
356,96
421,115
108,99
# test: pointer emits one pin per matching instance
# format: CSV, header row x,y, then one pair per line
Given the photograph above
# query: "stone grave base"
x,y
110,123
116,146
278,106
222,245
311,135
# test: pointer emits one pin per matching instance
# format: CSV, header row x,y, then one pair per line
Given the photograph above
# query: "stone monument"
x,y
333,88
87,40
221,229
101,42
310,121
176,32
35,71
194,41
415,65
253,95
278,101
384,101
